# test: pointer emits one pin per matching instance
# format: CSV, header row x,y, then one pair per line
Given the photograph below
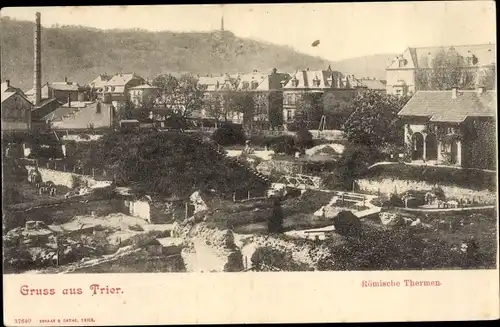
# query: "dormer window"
x,y
316,81
295,82
245,85
112,88
255,84
402,61
106,88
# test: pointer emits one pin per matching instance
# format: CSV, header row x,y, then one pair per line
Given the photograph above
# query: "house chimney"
x,y
37,78
454,92
7,82
65,80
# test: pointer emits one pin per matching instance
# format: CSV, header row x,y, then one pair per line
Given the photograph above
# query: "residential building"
x,y
16,109
401,73
451,127
218,88
144,96
266,90
343,86
115,90
62,91
97,84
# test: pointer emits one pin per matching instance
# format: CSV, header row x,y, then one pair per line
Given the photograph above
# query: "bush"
x,y
229,135
353,164
284,144
304,139
395,201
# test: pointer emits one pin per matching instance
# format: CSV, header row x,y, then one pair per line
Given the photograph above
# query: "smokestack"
x,y
37,79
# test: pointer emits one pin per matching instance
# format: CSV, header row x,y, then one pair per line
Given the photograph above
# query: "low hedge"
x,y
467,178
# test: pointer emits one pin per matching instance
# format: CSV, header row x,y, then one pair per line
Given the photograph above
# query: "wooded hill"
x,y
81,53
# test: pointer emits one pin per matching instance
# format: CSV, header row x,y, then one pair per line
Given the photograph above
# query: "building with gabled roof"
x,y
16,109
115,90
401,73
448,127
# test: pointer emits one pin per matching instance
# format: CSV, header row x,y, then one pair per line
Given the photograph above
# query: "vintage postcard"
x,y
239,163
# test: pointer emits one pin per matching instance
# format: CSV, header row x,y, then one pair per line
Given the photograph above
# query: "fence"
x,y
248,198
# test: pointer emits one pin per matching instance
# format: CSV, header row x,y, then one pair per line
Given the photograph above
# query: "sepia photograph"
x,y
249,138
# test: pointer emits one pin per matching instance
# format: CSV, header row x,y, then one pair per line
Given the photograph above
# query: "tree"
x,y
275,222
126,111
336,109
310,108
242,102
445,70
213,106
374,121
304,139
181,96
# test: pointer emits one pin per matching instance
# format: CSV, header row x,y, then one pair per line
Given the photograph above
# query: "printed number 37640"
x,y
22,321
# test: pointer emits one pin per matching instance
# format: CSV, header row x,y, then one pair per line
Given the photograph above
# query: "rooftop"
x,y
440,106
144,86
122,79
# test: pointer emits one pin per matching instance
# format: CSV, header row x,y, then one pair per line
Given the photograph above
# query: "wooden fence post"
x,y
47,165
248,195
64,167
234,196
93,172
74,169
186,210
55,165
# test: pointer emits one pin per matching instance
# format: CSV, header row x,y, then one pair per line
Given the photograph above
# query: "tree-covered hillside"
x,y
81,53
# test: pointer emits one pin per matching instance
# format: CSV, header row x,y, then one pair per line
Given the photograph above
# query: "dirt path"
x,y
204,258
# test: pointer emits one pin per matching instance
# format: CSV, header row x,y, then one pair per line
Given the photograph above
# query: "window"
x,y
98,108
316,82
288,115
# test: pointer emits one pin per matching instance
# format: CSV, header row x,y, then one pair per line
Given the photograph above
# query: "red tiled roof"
x,y
439,106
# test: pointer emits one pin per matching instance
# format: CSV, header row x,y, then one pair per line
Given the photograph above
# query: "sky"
x,y
345,30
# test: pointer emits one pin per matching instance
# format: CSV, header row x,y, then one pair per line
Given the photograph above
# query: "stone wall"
x,y
387,186
62,212
62,178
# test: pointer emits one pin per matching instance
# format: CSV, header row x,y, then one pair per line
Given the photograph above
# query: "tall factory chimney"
x,y
37,79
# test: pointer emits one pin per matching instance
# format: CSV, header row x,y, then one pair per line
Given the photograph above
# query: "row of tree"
x,y
449,69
